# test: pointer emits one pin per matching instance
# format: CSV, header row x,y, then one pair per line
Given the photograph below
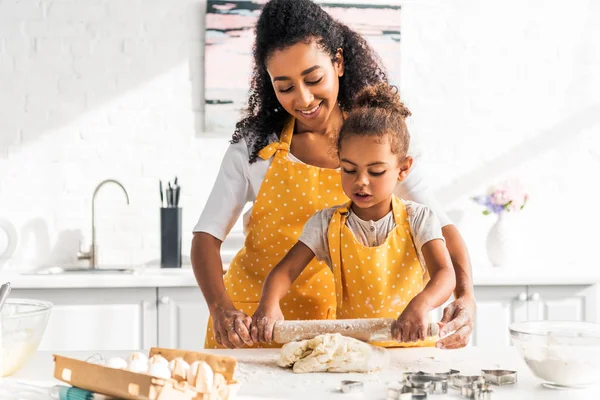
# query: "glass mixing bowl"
x,y
22,326
562,354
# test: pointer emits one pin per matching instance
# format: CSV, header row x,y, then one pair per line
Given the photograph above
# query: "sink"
x,y
80,270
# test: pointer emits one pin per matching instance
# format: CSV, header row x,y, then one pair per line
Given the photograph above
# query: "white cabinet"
x,y
98,319
139,318
563,303
182,318
499,306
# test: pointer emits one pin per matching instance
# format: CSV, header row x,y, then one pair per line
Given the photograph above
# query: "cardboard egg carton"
x,y
125,384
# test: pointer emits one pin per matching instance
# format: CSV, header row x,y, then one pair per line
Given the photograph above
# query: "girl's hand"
x,y
231,327
263,322
412,324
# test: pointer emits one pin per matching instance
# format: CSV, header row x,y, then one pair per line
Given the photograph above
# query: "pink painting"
x,y
228,51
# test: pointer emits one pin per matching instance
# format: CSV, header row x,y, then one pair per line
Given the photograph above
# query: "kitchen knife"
x,y
162,201
367,330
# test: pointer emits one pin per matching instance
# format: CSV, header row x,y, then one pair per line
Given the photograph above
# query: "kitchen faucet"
x,y
91,254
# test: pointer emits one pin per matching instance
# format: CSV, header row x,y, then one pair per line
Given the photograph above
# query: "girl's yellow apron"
x,y
375,282
290,194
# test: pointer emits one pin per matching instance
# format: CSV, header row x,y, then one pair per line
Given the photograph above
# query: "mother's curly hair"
x,y
283,23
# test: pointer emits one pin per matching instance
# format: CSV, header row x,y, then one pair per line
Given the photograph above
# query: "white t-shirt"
x,y
424,227
238,183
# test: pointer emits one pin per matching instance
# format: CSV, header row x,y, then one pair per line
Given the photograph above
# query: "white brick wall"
x,y
109,88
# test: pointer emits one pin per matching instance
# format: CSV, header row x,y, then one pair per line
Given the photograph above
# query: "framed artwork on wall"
x,y
228,50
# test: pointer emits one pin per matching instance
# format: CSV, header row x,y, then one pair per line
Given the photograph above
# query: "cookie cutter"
x,y
458,381
405,375
439,385
423,382
351,386
476,391
397,391
448,374
500,377
415,393
418,394
430,383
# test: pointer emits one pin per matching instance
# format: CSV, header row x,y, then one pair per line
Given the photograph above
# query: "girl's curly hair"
x,y
283,23
378,112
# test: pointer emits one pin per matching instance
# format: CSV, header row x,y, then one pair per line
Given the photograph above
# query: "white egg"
x,y
159,370
201,376
179,369
137,356
138,366
219,381
158,359
117,363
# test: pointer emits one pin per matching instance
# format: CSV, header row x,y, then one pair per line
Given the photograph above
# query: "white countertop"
x,y
262,379
141,277
184,277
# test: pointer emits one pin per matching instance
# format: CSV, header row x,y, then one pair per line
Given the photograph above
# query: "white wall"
x,y
108,88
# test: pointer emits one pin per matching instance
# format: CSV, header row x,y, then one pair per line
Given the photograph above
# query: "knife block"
x,y
170,237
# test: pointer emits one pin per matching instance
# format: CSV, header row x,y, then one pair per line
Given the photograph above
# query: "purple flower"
x,y
507,196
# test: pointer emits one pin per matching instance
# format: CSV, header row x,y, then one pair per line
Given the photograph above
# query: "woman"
x,y
308,68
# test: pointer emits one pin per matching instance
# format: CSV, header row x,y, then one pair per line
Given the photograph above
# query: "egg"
x,y
138,366
158,359
159,370
179,369
117,363
219,382
201,376
137,356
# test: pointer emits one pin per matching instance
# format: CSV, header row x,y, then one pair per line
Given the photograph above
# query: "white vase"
x,y
503,242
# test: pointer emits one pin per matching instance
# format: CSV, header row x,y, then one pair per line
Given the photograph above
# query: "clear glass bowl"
x,y
562,354
22,324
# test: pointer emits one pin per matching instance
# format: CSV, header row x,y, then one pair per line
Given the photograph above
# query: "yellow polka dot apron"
x,y
289,195
375,282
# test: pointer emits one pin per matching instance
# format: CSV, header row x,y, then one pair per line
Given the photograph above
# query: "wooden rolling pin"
x,y
367,330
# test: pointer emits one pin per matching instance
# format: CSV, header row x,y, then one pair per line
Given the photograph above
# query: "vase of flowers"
x,y
503,243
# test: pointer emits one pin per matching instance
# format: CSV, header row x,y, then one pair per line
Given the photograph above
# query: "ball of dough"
x,y
333,353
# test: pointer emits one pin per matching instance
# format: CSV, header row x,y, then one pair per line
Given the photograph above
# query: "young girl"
x,y
388,256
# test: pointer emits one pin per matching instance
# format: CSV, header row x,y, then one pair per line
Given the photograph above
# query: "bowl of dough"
x,y
22,326
563,354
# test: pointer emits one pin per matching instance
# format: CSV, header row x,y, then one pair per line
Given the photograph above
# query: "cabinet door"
x,y
497,308
182,318
563,303
97,319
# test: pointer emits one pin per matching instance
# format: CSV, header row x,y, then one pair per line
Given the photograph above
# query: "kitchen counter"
x,y
184,277
262,379
142,277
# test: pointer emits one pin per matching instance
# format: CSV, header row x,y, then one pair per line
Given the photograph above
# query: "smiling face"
x,y
306,83
370,172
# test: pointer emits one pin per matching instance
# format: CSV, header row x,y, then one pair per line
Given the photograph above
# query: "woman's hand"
x,y
413,323
231,327
458,321
263,322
